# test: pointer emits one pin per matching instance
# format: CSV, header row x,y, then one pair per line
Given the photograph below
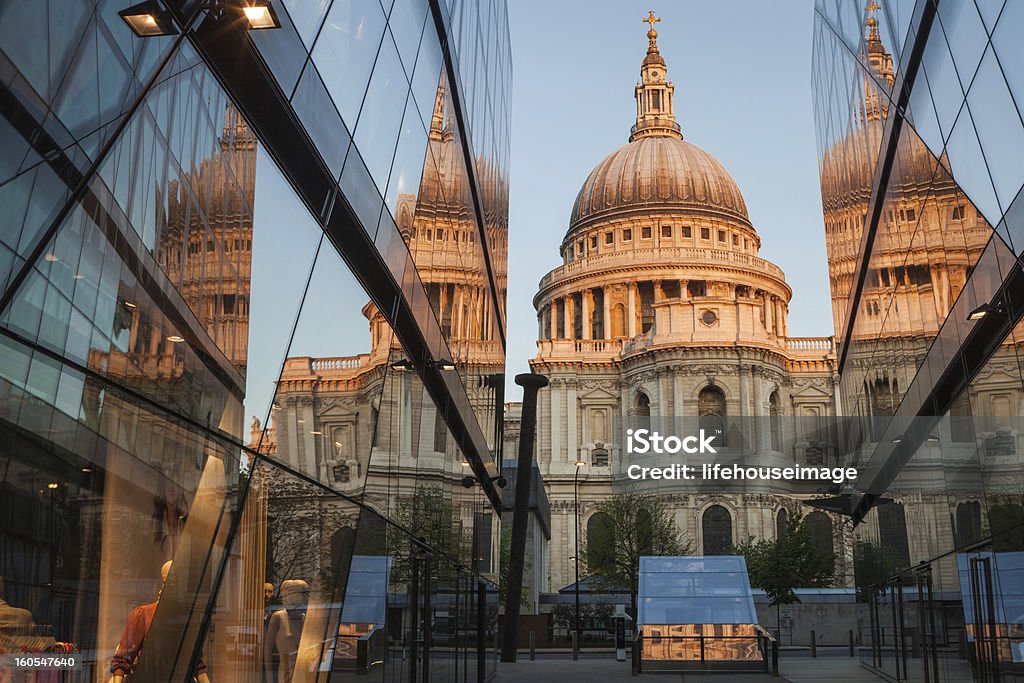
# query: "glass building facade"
x,y
252,325
918,109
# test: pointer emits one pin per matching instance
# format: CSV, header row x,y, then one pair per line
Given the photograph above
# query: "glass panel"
x,y
345,51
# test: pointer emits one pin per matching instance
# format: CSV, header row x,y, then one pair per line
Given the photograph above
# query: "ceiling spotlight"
x,y
176,338
129,304
443,364
51,257
984,310
261,15
932,438
86,470
403,365
898,439
148,19
53,485
316,432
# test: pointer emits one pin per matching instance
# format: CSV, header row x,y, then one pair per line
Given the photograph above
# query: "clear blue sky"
x,y
741,70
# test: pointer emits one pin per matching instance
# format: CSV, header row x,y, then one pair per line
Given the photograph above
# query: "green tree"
x,y
873,563
428,514
634,525
503,570
792,560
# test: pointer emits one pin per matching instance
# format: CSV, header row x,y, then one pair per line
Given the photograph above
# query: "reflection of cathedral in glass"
x,y
357,424
920,214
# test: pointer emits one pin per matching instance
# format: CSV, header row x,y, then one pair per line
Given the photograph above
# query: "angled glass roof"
x,y
695,590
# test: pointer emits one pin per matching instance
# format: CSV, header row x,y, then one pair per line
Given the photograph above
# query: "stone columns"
x,y
606,298
588,313
555,423
677,399
757,436
572,441
631,310
567,319
744,382
769,317
664,391
460,323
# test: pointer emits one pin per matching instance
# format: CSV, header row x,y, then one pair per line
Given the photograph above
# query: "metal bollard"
x,y
575,646
851,642
775,658
814,644
533,645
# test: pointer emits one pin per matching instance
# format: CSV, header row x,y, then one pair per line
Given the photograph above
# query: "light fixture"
x,y
129,304
77,276
261,15
465,463
897,439
53,485
51,257
580,463
984,310
932,438
403,365
87,470
316,432
442,364
176,338
148,19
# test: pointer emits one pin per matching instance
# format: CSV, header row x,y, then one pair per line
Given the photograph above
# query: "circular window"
x,y
709,317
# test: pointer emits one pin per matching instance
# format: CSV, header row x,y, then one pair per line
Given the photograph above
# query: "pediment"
x,y
811,392
598,395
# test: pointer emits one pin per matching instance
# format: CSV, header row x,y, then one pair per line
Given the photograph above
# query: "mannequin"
x,y
134,637
284,631
11,615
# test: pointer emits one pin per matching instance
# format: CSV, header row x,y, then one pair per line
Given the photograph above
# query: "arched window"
x,y
600,543
711,413
781,522
618,320
892,531
775,421
968,523
819,527
642,411
717,530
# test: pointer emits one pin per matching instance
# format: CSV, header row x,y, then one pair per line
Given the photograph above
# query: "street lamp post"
x,y
576,501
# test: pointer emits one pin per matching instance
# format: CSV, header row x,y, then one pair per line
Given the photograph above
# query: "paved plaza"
x,y
604,669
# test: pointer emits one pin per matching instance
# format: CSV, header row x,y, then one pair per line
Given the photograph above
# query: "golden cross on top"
x,y
872,6
651,19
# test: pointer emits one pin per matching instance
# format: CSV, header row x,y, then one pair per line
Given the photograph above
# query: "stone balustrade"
x,y
585,349
811,346
666,255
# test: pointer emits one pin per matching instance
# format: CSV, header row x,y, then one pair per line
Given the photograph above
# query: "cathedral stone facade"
x,y
662,307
